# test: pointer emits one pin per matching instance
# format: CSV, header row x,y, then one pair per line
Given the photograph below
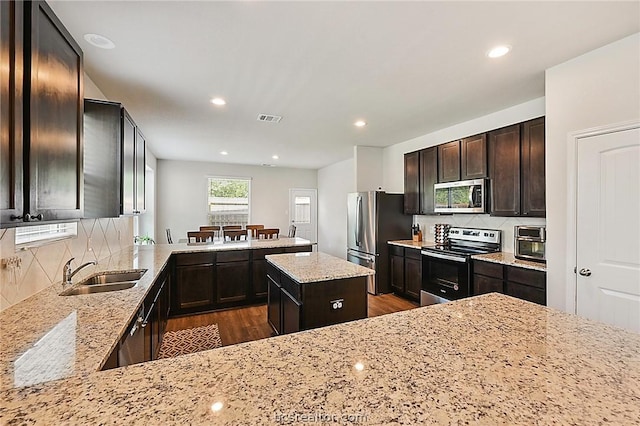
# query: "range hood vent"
x,y
269,118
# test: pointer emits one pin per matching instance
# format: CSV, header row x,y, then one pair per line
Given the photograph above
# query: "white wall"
x,y
599,88
334,183
393,156
368,168
91,91
182,193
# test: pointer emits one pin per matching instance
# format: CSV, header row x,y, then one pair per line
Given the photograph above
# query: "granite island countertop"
x,y
83,330
490,359
316,266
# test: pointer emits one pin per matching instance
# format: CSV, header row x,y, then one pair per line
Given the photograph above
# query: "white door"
x,y
608,228
303,213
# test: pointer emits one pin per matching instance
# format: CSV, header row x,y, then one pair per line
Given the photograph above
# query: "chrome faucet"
x,y
68,272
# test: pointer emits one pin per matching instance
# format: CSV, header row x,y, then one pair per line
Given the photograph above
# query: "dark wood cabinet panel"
x,y
523,283
396,267
449,162
290,313
11,85
53,128
428,177
128,163
233,280
533,168
194,288
489,269
259,278
473,157
504,171
274,304
482,285
405,269
140,172
412,183
413,276
528,277
525,292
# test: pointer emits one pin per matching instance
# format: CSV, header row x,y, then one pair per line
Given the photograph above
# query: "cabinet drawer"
x,y
261,253
233,256
186,259
527,276
297,249
482,285
489,269
292,287
395,250
525,292
413,254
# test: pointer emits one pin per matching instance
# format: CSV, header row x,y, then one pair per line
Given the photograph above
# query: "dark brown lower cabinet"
x,y
194,283
232,275
526,284
406,271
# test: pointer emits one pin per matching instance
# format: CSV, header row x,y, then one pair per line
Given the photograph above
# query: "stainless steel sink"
x,y
105,281
113,277
97,288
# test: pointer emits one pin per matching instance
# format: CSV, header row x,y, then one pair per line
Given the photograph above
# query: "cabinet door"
x,y
396,268
525,292
140,170
413,277
504,171
54,132
274,305
290,314
533,170
128,163
233,280
194,288
412,183
482,285
473,157
449,162
428,177
259,273
11,73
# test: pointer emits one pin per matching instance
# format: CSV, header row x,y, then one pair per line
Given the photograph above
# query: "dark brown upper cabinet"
x,y
449,162
45,120
420,173
117,186
473,157
516,169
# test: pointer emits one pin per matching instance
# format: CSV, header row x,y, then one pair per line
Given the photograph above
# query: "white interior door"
x,y
303,213
608,228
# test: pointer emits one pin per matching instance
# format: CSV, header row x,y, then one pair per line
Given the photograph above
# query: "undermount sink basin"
x,y
113,277
97,288
105,281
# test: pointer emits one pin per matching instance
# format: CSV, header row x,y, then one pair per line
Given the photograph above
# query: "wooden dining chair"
x,y
254,229
169,239
231,227
235,234
200,236
212,228
269,233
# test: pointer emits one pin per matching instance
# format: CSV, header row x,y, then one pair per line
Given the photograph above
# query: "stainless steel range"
x,y
446,269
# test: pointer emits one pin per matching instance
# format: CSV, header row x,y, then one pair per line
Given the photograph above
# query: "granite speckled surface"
x,y
509,259
82,330
317,266
489,360
411,244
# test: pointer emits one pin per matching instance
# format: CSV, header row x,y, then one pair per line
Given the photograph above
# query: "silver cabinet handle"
x,y
585,272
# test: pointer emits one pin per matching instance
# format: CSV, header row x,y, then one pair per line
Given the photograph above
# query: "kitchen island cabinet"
x,y
309,290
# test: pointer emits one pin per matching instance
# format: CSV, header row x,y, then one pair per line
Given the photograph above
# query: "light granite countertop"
x,y
506,258
50,337
316,266
411,244
489,360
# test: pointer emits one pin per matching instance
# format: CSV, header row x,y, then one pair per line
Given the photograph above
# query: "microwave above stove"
x,y
465,196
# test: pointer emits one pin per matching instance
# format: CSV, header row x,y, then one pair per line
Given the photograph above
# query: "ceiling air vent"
x,y
269,118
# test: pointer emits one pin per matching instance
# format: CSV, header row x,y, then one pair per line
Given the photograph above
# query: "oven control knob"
x,y
455,287
492,234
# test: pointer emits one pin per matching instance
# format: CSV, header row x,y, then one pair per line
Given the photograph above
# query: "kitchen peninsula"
x,y
489,359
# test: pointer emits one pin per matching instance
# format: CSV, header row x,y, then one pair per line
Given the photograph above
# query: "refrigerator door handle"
x,y
358,223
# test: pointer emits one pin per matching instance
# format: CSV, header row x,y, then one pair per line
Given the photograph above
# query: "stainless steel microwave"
x,y
464,196
530,242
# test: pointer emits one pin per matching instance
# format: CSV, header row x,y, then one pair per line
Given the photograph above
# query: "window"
x,y
302,213
33,236
228,201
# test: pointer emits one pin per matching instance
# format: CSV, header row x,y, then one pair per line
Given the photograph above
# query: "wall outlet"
x,y
336,304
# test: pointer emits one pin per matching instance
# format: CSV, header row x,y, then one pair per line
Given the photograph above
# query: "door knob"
x,y
585,272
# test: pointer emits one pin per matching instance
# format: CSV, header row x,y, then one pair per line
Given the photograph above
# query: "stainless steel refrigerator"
x,y
374,218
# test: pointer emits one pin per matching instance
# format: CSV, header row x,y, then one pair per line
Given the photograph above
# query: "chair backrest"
x,y
254,229
235,234
269,233
227,227
169,239
292,231
200,236
212,228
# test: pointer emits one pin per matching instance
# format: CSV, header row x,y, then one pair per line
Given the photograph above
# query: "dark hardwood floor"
x,y
248,324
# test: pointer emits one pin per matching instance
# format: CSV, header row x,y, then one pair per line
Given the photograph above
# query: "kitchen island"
x,y
308,290
489,359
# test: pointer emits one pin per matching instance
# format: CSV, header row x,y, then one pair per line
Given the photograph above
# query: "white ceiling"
x,y
407,68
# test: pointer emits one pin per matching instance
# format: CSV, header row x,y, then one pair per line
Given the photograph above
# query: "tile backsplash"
x,y
42,266
505,224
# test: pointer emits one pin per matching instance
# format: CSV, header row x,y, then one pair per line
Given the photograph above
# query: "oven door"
x,y
445,276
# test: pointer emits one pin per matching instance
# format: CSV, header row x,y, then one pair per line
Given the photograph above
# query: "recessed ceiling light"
x,y
223,152
100,41
275,157
360,123
218,101
498,51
